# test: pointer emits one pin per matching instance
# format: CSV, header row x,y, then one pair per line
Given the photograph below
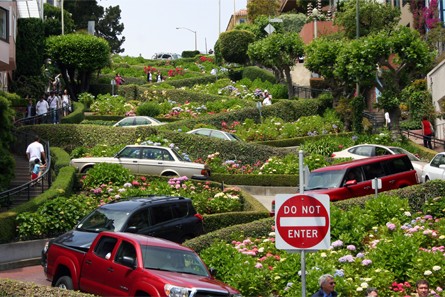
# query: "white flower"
x,y
436,268
323,255
427,272
359,289
261,250
407,213
364,285
272,234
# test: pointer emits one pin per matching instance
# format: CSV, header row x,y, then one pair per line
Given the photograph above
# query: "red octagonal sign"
x,y
302,222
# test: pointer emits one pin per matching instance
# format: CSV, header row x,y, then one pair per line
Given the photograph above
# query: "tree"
x,y
401,57
233,45
278,52
77,56
255,8
373,17
293,22
258,27
107,21
53,23
110,28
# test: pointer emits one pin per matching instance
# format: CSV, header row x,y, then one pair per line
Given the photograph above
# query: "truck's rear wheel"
x,y
65,282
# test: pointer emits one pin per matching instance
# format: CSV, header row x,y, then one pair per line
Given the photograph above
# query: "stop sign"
x,y
302,222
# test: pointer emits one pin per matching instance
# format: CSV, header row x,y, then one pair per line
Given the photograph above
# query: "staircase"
x,y
377,119
25,190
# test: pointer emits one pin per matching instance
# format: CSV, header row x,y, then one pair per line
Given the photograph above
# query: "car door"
x,y
398,171
164,223
96,267
434,171
362,186
122,272
154,161
130,157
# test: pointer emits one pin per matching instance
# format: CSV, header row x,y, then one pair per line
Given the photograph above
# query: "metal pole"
x,y
303,255
219,17
62,18
196,41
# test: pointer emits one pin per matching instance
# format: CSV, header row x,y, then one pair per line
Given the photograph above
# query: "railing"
x,y
307,92
22,140
434,141
47,118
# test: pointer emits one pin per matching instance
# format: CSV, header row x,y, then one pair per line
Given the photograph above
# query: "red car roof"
x,y
346,165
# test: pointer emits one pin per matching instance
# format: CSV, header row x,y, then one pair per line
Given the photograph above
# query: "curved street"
x,y
27,274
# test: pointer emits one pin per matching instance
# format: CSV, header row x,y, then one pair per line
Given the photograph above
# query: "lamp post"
x,y
194,32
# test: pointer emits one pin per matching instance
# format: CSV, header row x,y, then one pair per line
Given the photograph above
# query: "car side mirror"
x,y
213,271
351,182
129,262
132,229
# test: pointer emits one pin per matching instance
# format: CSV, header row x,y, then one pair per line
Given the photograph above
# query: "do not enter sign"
x,y
302,222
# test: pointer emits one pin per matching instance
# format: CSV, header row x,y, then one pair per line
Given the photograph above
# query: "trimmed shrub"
x,y
254,72
150,109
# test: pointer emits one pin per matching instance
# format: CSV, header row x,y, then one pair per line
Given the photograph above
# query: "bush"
x,y
150,109
105,173
189,54
254,72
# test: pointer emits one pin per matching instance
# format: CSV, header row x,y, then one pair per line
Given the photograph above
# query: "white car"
x,y
138,121
215,133
147,159
435,169
370,150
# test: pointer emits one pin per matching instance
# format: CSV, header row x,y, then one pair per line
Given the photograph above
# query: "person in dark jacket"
x,y
327,285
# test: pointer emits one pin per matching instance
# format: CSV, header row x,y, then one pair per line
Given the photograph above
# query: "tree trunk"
x,y
290,86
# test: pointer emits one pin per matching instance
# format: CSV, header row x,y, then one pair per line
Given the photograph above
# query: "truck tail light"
x,y
199,216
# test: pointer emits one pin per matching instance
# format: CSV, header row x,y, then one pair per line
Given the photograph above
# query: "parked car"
x,y
124,264
138,121
169,217
370,150
435,169
166,56
215,133
148,159
354,178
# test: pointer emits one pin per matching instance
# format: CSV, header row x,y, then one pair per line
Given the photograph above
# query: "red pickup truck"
x,y
125,264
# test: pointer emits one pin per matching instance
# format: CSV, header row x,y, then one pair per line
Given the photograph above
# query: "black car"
x,y
168,217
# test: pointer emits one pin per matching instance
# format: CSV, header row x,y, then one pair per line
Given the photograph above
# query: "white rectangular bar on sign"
x,y
302,222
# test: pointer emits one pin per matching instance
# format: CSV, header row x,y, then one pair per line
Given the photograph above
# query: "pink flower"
x,y
258,265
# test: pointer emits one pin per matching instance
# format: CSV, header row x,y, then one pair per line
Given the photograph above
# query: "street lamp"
x,y
194,32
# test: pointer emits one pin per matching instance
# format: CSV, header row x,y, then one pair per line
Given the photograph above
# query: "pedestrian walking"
x,y
387,121
66,103
42,108
427,132
35,151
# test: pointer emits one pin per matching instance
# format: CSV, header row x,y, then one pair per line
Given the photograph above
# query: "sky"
x,y
150,25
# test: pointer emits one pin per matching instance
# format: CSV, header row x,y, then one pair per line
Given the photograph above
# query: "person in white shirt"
x,y
267,98
66,103
54,104
387,121
42,107
35,151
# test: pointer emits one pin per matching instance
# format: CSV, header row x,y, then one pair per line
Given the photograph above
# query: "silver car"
x,y
215,133
138,121
147,159
370,150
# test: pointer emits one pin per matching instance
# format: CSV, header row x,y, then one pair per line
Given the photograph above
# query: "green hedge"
x,y
62,186
291,142
77,114
254,72
281,180
253,229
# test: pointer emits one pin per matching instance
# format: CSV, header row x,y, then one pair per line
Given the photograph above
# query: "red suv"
x,y
354,178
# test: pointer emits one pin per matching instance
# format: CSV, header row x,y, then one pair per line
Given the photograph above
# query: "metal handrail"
x,y
7,197
38,119
308,92
434,141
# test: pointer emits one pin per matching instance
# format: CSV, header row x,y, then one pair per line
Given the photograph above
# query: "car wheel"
x,y
65,282
85,170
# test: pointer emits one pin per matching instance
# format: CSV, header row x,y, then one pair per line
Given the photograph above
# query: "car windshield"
x,y
181,157
325,179
398,150
181,261
233,137
103,219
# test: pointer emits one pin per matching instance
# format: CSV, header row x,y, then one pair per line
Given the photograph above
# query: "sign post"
x,y
302,222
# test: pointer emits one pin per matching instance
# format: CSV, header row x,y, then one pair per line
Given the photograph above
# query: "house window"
x,y
4,24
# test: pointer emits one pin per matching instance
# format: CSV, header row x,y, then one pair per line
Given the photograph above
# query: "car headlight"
x,y
174,291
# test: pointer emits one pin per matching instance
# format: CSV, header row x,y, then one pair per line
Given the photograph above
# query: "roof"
x,y
134,203
346,165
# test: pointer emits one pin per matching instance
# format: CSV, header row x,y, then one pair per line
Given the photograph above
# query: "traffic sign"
x,y
302,222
